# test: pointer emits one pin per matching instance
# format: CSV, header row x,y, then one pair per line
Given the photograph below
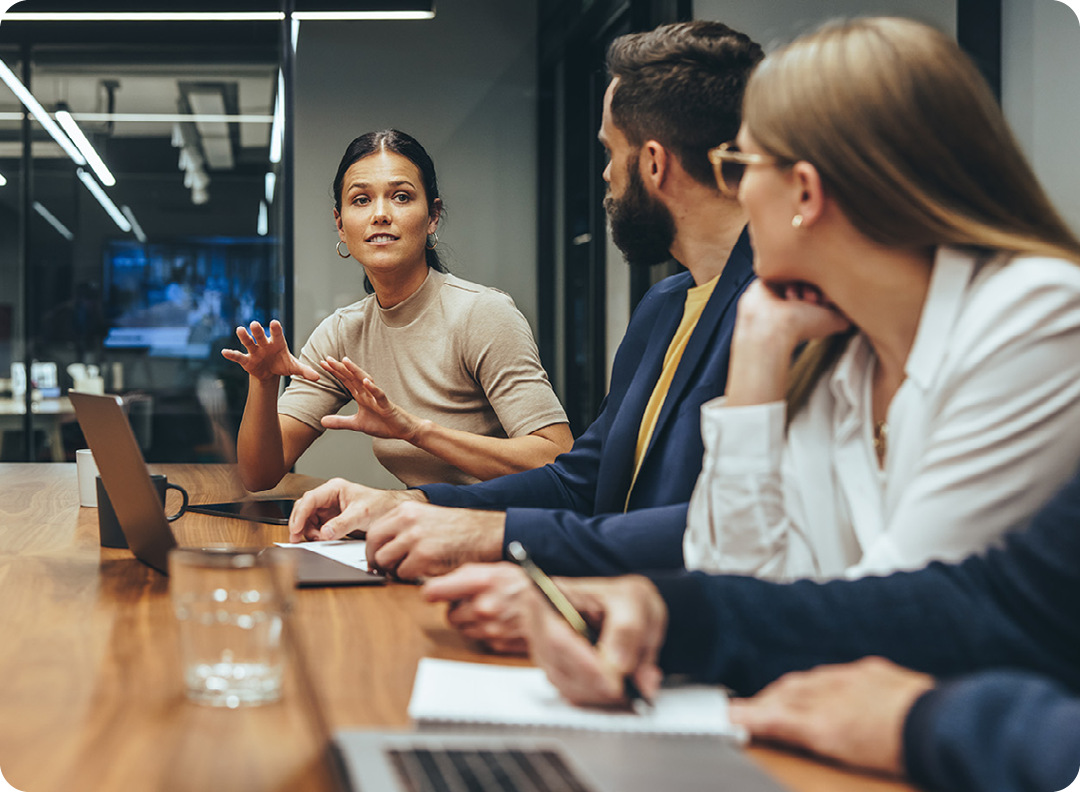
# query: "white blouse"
x,y
983,430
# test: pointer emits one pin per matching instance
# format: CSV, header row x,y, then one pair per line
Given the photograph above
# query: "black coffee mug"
x,y
111,533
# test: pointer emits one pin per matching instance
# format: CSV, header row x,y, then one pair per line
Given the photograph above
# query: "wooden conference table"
x,y
90,688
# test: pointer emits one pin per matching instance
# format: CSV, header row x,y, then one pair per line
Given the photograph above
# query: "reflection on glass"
x,y
139,264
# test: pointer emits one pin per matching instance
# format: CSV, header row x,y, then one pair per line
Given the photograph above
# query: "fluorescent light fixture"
x,y
39,113
145,16
277,131
162,118
135,227
104,200
3,181
271,181
361,15
86,147
61,229
264,219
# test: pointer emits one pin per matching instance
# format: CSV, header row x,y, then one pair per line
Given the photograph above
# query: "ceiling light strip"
x,y
277,131
169,118
39,113
93,159
210,16
135,227
361,15
158,118
146,16
51,219
104,200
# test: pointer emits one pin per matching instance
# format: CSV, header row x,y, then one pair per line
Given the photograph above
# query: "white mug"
x,y
88,472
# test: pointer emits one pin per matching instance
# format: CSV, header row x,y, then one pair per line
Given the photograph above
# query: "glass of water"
x,y
230,604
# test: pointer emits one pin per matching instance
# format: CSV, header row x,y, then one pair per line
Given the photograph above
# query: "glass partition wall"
x,y
138,233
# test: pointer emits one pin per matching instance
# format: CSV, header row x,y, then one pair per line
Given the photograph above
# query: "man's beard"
x,y
641,227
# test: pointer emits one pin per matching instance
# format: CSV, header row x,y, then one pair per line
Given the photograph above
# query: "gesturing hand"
x,y
268,356
375,415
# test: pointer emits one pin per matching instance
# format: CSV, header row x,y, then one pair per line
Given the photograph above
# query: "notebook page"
x,y
447,691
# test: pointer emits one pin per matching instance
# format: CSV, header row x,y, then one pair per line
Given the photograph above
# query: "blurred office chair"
x,y
210,392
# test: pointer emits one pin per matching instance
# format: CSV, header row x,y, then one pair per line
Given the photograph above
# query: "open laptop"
x,y
138,509
126,479
574,761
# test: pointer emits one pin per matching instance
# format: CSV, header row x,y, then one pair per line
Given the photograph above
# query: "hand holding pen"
x,y
622,666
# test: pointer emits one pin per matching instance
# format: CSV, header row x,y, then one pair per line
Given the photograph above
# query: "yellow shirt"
x,y
696,300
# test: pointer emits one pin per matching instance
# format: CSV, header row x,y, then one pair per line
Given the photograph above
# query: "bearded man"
x,y
617,502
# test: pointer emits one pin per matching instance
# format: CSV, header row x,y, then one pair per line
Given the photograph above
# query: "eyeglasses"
x,y
729,165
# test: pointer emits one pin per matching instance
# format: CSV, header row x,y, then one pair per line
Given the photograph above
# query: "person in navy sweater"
x,y
987,699
991,731
618,500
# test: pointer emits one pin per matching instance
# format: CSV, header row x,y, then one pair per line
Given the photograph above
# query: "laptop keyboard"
x,y
512,770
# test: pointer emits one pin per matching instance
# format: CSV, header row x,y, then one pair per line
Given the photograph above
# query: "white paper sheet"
x,y
352,552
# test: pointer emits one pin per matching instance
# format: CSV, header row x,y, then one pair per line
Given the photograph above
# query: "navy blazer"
x,y
570,514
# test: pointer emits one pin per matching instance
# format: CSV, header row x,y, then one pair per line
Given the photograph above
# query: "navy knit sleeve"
x,y
994,732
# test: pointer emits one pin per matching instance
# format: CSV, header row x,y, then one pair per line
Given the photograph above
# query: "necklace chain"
x,y
881,439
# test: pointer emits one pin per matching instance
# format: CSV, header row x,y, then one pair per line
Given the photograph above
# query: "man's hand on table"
x,y
486,603
417,540
339,507
853,713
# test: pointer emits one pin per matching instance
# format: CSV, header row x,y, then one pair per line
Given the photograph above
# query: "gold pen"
x,y
560,603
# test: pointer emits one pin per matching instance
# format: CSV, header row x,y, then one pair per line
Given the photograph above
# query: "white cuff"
x,y
743,440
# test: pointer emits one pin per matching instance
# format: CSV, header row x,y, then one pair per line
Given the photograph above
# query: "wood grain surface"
x,y
90,686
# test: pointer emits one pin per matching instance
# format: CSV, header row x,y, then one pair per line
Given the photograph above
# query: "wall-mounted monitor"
x,y
176,299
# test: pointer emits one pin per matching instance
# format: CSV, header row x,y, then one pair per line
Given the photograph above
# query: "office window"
x,y
130,274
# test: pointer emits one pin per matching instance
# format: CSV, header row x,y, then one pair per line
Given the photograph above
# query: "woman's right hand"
x,y
789,312
772,320
268,356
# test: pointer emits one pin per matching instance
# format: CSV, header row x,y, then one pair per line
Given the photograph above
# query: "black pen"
x,y
560,603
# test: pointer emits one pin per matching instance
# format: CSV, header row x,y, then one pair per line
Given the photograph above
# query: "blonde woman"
x,y
909,259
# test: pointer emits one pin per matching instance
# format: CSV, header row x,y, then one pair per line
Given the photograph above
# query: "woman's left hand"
x,y
376,415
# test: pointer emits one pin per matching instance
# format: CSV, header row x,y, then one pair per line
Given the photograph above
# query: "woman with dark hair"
x,y
906,250
461,395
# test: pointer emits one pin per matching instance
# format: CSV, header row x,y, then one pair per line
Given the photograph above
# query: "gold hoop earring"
x,y
797,221
337,247
432,245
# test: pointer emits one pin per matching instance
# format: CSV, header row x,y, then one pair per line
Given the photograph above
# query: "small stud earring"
x,y
796,221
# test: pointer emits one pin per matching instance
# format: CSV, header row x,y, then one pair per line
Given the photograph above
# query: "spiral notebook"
x,y
448,692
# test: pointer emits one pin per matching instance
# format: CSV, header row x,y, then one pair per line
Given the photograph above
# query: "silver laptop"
x,y
138,509
123,472
548,761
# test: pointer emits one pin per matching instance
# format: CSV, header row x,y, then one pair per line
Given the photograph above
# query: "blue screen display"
x,y
177,299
